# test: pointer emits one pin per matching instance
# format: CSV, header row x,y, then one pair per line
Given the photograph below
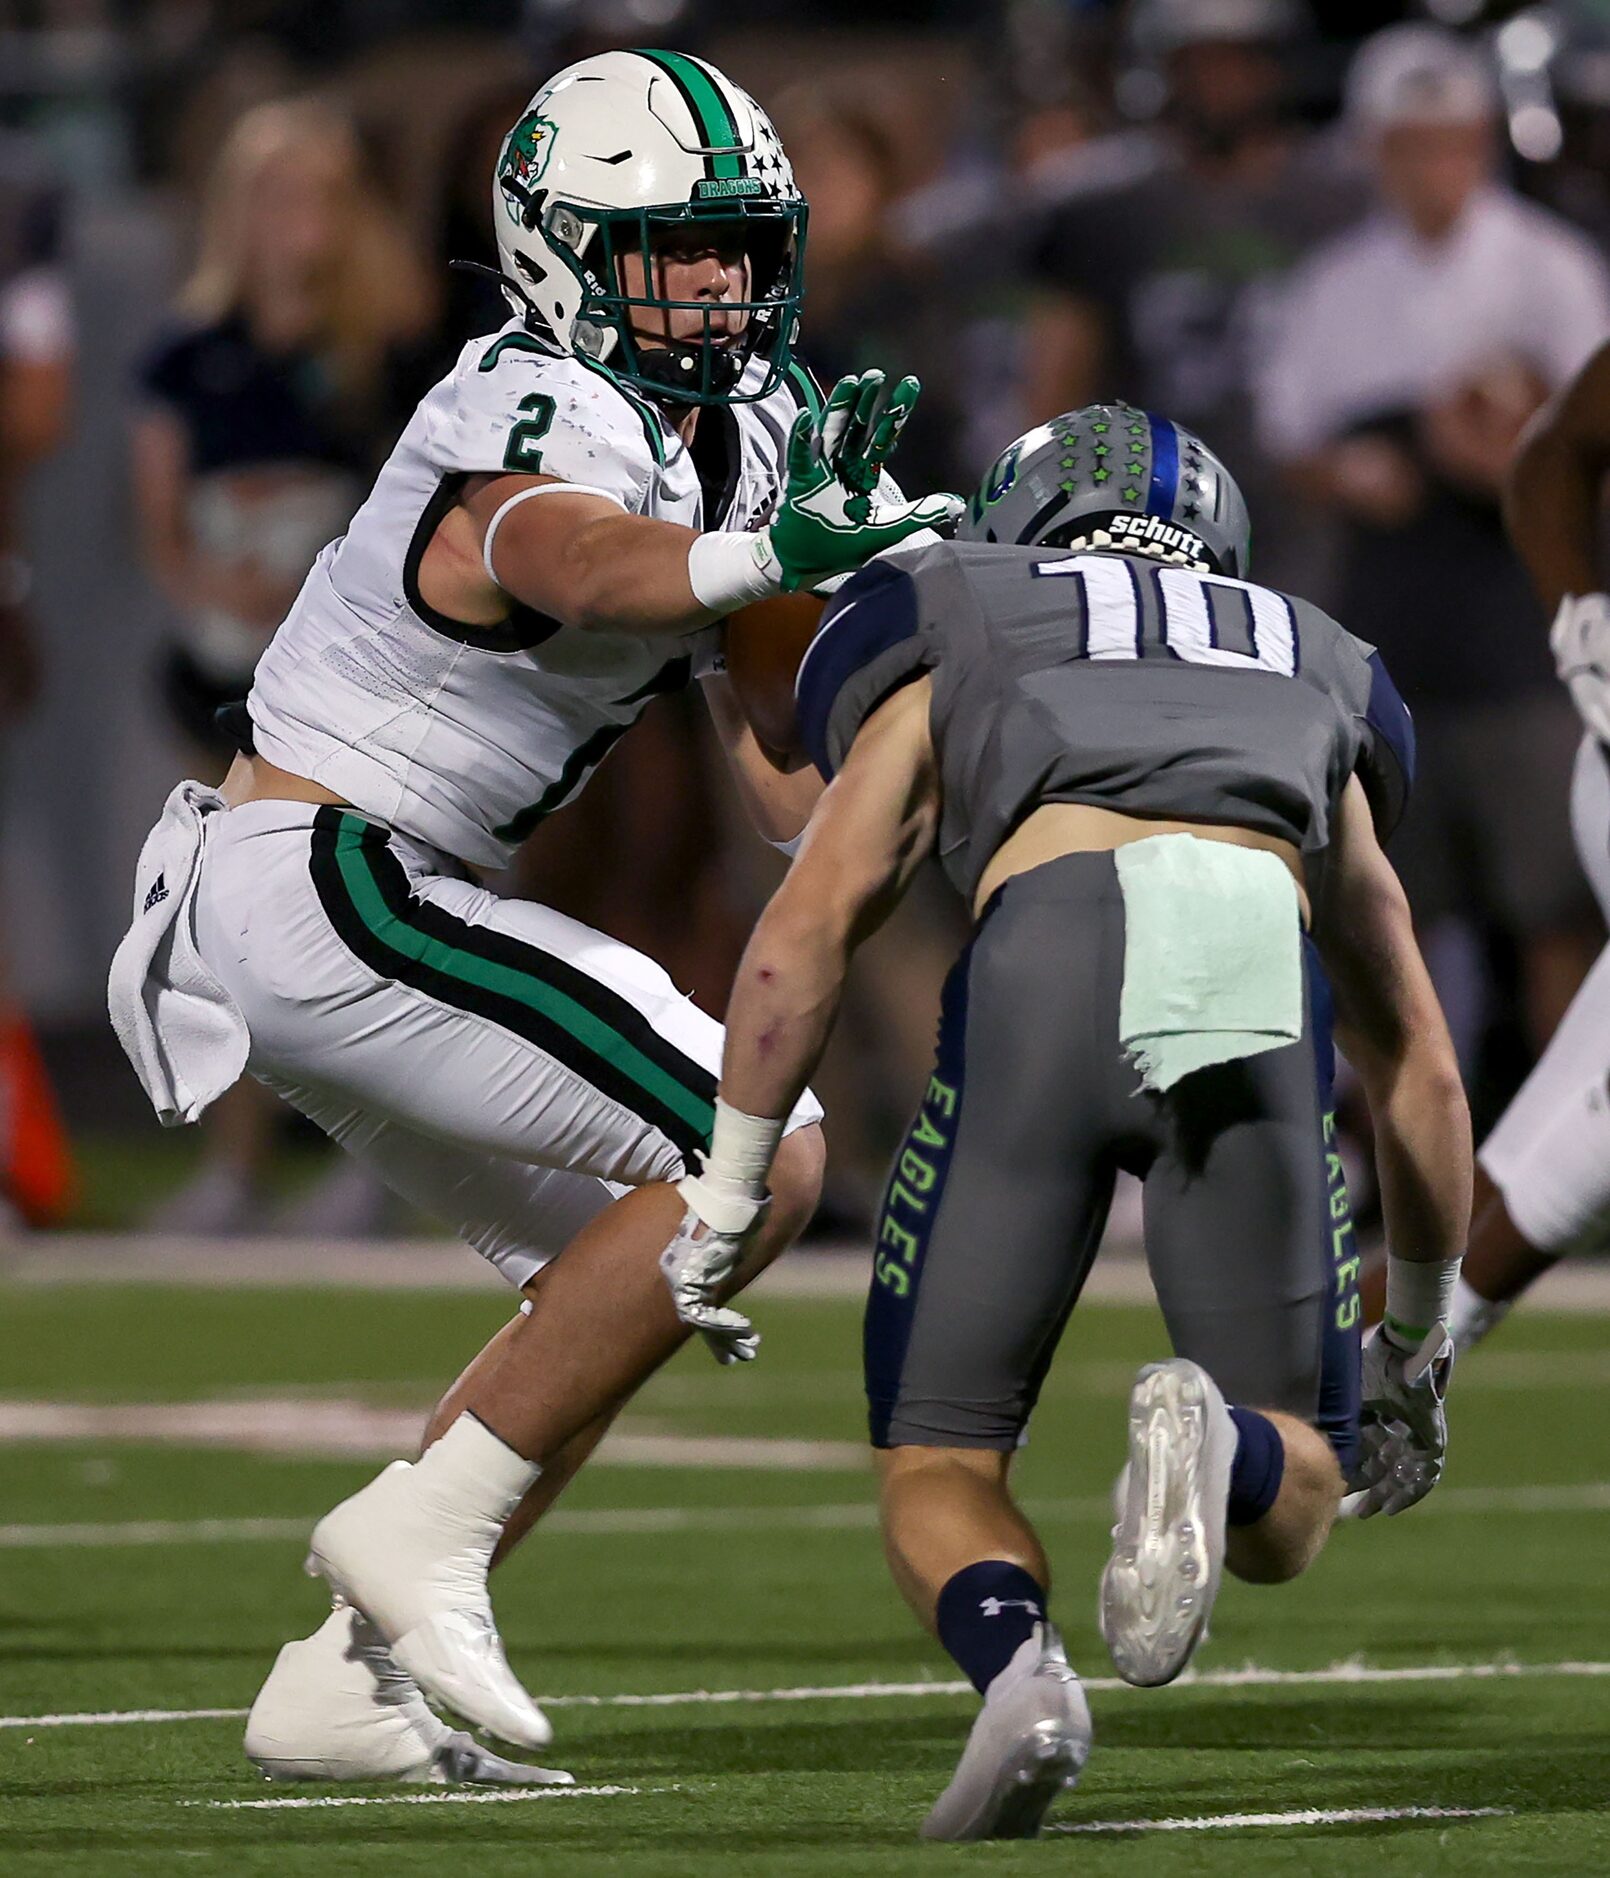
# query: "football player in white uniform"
x,y
1543,1174
554,540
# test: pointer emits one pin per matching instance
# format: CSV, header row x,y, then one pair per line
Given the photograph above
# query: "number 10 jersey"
x,y
1112,679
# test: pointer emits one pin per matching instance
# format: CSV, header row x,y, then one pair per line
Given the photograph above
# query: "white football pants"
x,y
504,1068
1549,1155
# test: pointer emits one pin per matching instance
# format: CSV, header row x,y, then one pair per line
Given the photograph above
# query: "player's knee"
x,y
796,1182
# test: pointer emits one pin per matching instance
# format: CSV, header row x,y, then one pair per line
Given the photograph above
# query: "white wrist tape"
x,y
1418,1295
727,1193
727,571
525,495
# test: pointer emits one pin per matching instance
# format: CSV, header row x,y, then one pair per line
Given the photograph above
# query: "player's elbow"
x,y
1439,1088
798,938
584,601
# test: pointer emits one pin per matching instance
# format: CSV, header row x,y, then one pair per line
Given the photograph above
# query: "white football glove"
x,y
1404,1431
1580,637
702,1257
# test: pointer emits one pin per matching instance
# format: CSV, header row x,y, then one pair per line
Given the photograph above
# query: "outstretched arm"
x,y
1391,1029
872,829
874,826
580,558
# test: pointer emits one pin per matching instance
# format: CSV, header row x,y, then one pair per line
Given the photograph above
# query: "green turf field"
x,y
765,1578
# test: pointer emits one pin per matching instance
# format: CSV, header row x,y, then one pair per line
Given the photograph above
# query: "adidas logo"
x,y
157,893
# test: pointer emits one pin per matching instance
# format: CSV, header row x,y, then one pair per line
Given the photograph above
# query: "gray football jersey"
x,y
1113,679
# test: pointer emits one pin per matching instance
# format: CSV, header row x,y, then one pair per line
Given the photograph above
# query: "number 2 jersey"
x,y
464,736
1111,679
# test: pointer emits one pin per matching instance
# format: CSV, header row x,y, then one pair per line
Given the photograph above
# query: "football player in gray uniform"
x,y
1161,788
555,539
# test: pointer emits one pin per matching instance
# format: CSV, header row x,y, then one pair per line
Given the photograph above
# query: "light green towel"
x,y
1212,955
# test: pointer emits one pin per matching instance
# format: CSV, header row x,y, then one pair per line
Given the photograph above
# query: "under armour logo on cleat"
x,y
157,894
992,1607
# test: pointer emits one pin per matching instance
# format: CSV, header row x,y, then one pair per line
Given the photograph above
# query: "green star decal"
x,y
1135,469
1066,488
1100,476
1101,449
1068,462
1099,429
1131,494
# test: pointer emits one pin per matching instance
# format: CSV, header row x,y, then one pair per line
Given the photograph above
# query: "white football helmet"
x,y
608,152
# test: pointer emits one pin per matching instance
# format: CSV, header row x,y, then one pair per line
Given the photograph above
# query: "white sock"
x,y
1472,1316
472,1477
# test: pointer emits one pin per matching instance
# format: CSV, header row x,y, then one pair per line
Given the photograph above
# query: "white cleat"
x,y
1030,1742
336,1707
421,1580
1168,1544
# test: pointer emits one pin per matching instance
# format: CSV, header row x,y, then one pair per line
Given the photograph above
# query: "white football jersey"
x,y
466,737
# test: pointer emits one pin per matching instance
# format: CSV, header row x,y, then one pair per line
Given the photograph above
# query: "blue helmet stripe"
x,y
1165,467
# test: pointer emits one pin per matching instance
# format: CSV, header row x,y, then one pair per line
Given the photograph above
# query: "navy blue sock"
x,y
985,1613
1259,1467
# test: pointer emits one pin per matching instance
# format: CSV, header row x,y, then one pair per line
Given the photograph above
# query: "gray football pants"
x,y
1000,1192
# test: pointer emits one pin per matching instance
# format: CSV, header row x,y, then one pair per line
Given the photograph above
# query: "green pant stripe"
x,y
503,981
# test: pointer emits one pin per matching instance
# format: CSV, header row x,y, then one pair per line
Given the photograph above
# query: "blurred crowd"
x,y
1355,246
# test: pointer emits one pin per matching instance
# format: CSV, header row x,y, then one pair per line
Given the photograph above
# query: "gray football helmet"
x,y
1110,476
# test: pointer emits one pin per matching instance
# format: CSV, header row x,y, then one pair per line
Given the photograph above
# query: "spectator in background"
x,y
1151,272
871,297
36,372
1406,358
472,303
263,417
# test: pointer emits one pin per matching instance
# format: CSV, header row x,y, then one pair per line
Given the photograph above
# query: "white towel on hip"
x,y
177,1024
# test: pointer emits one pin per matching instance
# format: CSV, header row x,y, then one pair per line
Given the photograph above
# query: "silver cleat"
x,y
1030,1742
1168,1544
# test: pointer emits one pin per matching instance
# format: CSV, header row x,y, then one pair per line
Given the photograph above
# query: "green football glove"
x,y
829,520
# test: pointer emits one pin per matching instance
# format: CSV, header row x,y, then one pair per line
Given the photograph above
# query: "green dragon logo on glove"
x,y
524,158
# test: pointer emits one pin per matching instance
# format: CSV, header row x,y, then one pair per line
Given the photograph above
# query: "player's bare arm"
x,y
573,555
1391,1029
1552,505
778,802
577,556
1551,498
875,825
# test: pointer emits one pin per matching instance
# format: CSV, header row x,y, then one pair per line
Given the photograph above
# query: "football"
x,y
765,643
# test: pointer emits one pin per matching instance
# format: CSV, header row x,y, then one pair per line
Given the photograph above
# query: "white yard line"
x,y
121,1717
1119,1275
1304,1816
612,1522
22,1538
321,1425
503,1796
1250,1676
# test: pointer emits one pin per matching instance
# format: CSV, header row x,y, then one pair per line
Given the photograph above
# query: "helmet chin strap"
x,y
678,365
668,367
